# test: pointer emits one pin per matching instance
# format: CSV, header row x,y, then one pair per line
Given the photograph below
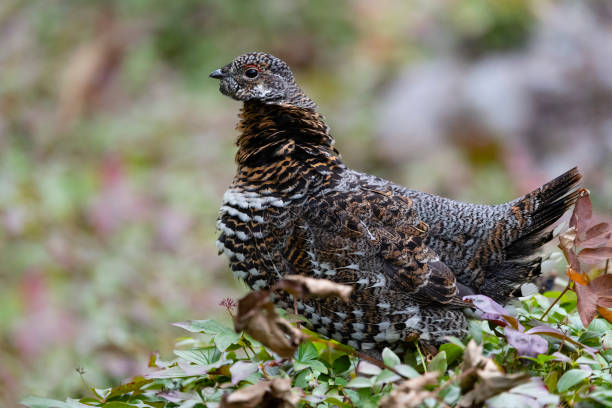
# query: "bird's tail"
x,y
534,213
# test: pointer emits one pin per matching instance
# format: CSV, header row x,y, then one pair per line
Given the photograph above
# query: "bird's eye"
x,y
251,73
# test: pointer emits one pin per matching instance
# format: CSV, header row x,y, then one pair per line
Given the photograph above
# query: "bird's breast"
x,y
253,226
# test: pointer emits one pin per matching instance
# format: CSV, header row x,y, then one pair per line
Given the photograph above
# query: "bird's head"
x,y
261,77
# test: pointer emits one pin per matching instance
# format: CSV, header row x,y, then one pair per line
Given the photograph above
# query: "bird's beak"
x,y
217,74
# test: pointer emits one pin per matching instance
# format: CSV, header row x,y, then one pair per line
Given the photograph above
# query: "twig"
x,y
556,300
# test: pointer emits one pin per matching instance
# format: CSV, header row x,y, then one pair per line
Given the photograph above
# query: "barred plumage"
x,y
294,207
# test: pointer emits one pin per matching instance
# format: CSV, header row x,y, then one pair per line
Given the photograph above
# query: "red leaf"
x,y
596,242
551,331
596,231
583,211
526,344
602,285
586,303
493,311
595,255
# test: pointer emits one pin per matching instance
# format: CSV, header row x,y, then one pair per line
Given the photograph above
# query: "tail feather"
x,y
539,210
535,213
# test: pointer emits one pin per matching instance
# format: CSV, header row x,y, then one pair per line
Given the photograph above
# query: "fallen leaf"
x,y
410,393
302,286
257,317
264,394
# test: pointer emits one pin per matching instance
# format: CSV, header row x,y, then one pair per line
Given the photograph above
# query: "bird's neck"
x,y
278,142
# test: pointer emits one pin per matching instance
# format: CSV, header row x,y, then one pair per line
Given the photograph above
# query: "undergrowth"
x,y
538,354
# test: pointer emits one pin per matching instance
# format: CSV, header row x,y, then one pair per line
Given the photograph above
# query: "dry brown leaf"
x,y
302,286
576,277
567,244
264,394
410,393
257,317
592,295
583,211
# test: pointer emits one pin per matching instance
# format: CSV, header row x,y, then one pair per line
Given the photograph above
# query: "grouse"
x,y
294,208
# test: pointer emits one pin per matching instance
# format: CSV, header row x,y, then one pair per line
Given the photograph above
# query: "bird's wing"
x,y
368,233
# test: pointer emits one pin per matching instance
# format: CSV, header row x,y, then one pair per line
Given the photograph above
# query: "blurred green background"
x,y
116,147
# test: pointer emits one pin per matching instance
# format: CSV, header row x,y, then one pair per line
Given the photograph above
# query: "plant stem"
x,y
416,343
556,300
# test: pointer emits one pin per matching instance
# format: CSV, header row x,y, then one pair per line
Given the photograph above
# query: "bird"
x,y
294,207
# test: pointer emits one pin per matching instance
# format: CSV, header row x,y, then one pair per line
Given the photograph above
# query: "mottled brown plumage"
x,y
294,207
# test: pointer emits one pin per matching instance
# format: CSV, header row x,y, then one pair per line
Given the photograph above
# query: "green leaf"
x,y
225,338
599,326
438,363
306,352
341,364
604,397
450,394
542,359
590,338
319,366
476,331
390,358
452,351
117,404
302,378
454,340
551,380
367,368
571,378
337,403
38,402
406,370
360,382
386,376
202,356
588,361
242,370
202,326
134,386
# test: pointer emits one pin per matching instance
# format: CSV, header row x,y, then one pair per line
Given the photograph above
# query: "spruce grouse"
x,y
294,207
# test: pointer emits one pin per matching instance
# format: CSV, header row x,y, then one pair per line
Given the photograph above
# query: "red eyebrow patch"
x,y
252,66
